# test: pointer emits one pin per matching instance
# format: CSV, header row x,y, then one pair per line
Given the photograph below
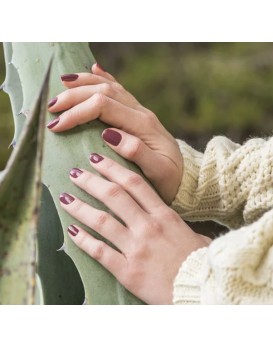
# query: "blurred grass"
x,y
201,89
196,89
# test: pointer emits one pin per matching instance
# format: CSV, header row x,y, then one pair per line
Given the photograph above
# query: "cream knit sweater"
x,y
231,184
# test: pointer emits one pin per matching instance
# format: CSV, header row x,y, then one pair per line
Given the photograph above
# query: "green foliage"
x,y
61,152
6,122
19,200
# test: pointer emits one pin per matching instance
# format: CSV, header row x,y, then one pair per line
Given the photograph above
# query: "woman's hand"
x,y
153,241
138,135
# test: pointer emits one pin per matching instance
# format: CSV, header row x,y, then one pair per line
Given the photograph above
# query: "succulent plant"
x,y
43,159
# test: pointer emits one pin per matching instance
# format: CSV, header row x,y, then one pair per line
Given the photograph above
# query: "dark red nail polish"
x,y
95,158
54,122
66,198
100,67
75,172
52,102
111,136
69,77
72,230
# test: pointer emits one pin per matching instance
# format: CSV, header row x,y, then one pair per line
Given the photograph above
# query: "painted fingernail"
x,y
66,198
95,158
72,230
52,102
54,122
69,77
75,172
112,137
100,67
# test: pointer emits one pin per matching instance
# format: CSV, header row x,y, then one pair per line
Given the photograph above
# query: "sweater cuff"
x,y
192,161
187,284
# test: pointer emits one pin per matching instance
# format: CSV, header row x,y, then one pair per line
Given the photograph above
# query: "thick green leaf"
x,y
70,149
19,200
60,281
12,86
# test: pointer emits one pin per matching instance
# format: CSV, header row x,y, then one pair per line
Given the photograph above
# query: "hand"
x,y
138,136
152,242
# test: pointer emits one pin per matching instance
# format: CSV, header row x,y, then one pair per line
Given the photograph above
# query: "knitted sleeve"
x,y
236,268
228,183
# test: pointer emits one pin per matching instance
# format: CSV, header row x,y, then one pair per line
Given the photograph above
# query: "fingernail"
x,y
52,102
66,198
75,172
111,136
72,230
100,67
54,122
95,158
69,77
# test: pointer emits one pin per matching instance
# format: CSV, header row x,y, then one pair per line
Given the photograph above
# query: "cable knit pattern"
x,y
236,268
229,183
233,185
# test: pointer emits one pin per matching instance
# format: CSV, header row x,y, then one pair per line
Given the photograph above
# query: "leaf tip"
x,y
61,249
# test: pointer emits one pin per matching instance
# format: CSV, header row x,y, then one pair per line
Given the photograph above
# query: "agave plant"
x,y
33,179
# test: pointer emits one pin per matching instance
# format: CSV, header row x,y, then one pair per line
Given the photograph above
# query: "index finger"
x,y
82,79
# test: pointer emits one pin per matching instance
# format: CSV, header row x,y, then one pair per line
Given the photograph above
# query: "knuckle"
x,y
113,191
152,227
110,164
135,148
106,89
118,87
167,214
67,95
82,240
73,115
77,207
133,179
151,118
99,99
98,250
88,182
100,220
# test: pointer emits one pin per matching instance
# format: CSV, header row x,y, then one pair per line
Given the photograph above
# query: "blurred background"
x,y
197,90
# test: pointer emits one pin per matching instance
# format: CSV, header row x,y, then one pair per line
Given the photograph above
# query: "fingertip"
x,y
69,77
112,136
75,172
73,230
52,102
53,123
97,68
95,158
66,198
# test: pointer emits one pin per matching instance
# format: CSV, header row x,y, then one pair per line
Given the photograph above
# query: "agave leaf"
x,y
66,150
60,283
12,86
19,200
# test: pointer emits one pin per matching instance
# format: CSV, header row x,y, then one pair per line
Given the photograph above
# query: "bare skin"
x,y
153,241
